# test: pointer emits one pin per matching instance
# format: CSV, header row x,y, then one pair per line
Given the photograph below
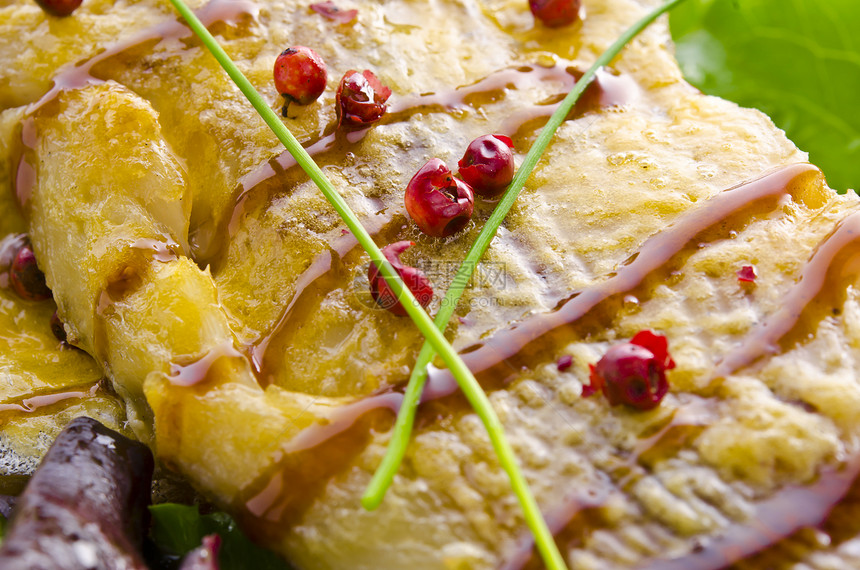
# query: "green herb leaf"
x,y
178,529
797,61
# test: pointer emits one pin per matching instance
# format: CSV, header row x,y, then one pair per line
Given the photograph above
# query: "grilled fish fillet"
x,y
213,285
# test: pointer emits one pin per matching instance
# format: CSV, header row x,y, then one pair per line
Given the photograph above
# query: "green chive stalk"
x,y
433,335
401,433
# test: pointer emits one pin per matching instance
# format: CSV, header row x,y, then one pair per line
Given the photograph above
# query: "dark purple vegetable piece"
x,y
7,503
86,505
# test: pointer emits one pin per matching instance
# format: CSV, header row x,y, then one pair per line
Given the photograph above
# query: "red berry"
x,y
26,277
440,204
746,274
488,165
633,373
300,75
59,7
414,279
564,363
360,99
555,13
57,327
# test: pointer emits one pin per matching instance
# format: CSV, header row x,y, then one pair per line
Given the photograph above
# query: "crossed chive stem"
x,y
433,331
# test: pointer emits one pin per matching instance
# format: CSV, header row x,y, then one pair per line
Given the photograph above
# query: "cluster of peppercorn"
x,y
301,77
441,205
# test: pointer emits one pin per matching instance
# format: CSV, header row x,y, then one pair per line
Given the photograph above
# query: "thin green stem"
x,y
401,433
467,382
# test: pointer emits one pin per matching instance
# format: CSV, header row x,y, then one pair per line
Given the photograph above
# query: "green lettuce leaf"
x,y
796,60
178,529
